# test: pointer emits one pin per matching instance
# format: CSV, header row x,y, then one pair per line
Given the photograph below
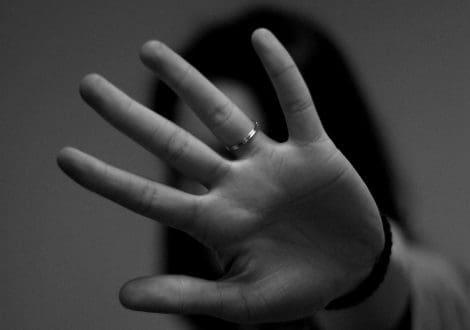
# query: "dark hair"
x,y
223,50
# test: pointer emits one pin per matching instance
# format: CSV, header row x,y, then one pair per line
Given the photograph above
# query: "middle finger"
x,y
216,110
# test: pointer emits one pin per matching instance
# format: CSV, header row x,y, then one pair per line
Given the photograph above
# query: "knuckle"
x,y
279,73
106,174
181,302
130,105
220,308
246,310
194,211
196,220
222,113
177,145
148,196
186,72
299,105
245,306
220,170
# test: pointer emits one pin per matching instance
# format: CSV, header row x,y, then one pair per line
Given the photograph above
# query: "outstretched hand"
x,y
292,223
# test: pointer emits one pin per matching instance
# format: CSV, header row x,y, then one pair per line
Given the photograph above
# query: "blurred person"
x,y
287,226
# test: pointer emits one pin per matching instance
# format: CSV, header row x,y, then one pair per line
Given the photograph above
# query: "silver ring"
x,y
251,134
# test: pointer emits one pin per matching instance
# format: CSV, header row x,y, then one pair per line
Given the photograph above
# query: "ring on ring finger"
x,y
247,139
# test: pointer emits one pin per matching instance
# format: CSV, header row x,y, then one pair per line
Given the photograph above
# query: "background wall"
x,y
66,252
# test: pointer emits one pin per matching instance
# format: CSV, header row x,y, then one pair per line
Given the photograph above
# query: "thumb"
x,y
185,295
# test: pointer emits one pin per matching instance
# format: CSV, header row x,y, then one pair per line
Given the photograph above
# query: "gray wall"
x,y
65,252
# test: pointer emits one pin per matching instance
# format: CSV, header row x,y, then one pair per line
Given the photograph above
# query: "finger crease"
x,y
221,114
275,75
130,106
177,146
299,106
179,83
148,196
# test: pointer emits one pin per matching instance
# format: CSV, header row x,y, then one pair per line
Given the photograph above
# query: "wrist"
x,y
383,309
375,276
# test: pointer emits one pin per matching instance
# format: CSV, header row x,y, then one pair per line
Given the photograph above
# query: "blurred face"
x,y
186,118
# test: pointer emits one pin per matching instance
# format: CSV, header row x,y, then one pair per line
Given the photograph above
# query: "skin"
x,y
370,314
292,224
187,119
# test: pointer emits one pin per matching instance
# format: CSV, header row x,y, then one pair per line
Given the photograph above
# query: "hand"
x,y
291,223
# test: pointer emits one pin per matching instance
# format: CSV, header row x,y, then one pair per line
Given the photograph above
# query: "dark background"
x,y
65,252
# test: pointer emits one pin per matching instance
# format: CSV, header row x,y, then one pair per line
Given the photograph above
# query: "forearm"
x,y
381,311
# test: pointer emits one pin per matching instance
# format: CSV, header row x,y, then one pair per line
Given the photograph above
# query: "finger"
x,y
157,134
167,205
184,295
293,94
219,113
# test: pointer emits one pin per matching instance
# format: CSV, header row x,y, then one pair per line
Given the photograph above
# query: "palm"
x,y
292,224
284,251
